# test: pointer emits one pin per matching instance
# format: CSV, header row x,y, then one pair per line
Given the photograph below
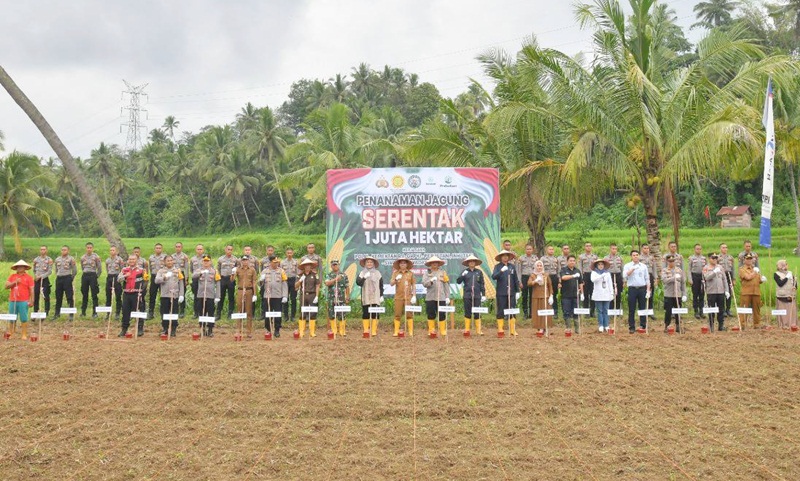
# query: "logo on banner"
x,y
414,181
381,183
398,182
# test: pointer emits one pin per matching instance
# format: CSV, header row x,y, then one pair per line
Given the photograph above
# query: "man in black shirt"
x,y
571,288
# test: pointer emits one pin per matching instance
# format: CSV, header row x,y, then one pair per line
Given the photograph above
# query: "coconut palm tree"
x,y
102,161
21,206
269,140
235,180
152,162
790,9
714,13
170,125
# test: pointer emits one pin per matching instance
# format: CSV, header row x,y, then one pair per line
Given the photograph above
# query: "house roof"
x,y
735,210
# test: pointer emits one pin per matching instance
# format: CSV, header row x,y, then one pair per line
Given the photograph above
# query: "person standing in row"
x,y
571,291
245,279
405,294
585,266
561,264
42,270
196,265
638,280
437,285
21,296
66,270
507,246
649,260
154,264
208,293
525,265
114,265
371,284
726,262
697,262
132,279
786,293
338,295
91,267
751,280
674,281
182,264
274,290
748,250
291,268
550,263
308,285
602,292
507,290
311,254
542,297
716,289
615,268
171,288
262,264
226,266
474,292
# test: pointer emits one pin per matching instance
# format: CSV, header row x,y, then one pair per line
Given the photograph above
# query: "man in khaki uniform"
x,y
245,281
405,294
291,267
751,279
311,254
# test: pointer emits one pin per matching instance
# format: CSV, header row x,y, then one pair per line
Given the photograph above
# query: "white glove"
x,y
233,271
216,300
756,269
262,278
316,300
167,275
447,300
677,276
576,276
718,269
647,296
180,299
364,274
284,300
727,295
683,299
464,273
483,299
204,271
763,279
517,295
380,300
550,300
504,268
255,298
413,299
399,276
302,278
789,275
583,298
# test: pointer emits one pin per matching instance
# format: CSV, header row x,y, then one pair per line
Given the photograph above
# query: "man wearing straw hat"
x,y
21,297
308,285
371,284
437,283
474,291
405,294
505,276
338,295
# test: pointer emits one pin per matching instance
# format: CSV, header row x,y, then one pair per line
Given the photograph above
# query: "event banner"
x,y
416,213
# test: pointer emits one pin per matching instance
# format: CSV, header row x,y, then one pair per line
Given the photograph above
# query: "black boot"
x,y
140,332
122,333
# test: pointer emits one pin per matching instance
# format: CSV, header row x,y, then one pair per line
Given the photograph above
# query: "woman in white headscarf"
x,y
786,294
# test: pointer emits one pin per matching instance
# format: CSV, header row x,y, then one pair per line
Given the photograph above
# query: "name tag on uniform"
x,y
309,309
615,312
779,312
206,320
413,308
8,317
38,315
711,310
744,310
68,310
680,310
103,309
447,308
134,314
272,314
480,310
582,311
170,317
339,309
377,310
541,312
645,312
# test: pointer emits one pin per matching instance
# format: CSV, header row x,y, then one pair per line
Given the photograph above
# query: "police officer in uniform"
x,y
208,293
155,263
585,262
170,281
226,266
716,288
697,262
92,267
615,269
674,281
182,264
550,263
748,250
274,291
114,265
291,268
726,262
525,265
42,269
474,292
648,259
561,262
66,270
311,254
196,265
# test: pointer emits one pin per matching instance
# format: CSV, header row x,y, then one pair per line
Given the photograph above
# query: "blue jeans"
x,y
602,313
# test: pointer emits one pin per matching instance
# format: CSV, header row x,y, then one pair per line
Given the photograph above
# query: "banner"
x,y
765,236
415,213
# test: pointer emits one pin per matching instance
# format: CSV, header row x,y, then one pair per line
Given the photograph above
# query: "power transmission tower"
x,y
134,124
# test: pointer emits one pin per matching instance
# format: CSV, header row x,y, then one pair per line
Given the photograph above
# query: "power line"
x,y
135,126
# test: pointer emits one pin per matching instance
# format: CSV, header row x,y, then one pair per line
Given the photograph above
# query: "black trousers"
x,y
131,301
290,308
431,307
505,302
636,300
730,289
273,304
64,287
89,283
41,288
169,305
588,289
617,304
697,292
182,305
469,303
652,291
197,302
152,289
527,291
205,307
669,303
227,288
111,280
717,300
555,281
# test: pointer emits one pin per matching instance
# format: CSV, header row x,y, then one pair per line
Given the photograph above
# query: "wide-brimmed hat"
x,y
308,262
21,263
364,261
432,260
396,264
465,262
500,254
597,261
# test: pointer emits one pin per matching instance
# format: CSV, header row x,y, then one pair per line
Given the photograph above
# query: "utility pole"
x,y
134,124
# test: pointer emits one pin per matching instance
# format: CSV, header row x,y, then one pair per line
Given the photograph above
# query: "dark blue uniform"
x,y
474,289
507,288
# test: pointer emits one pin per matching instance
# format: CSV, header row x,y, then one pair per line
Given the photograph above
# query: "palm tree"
x,y
246,118
151,162
235,181
21,206
170,126
87,193
790,9
714,13
182,175
270,140
101,160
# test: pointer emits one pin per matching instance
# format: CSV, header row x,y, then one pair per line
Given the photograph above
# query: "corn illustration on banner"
x,y
415,213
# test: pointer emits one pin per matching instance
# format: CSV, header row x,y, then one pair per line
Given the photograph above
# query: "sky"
x,y
203,60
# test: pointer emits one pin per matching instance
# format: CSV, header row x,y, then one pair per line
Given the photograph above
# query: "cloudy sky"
x,y
204,59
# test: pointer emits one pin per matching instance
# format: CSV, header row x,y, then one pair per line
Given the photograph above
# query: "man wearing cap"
x,y
615,269
42,269
748,249
716,290
114,265
474,292
132,279
338,295
649,260
674,281
405,294
751,280
585,266
66,270
550,263
195,265
697,262
437,283
92,267
182,264
311,254
291,268
274,290
371,283
638,281
170,281
245,280
154,263
525,265
571,290
561,263
726,262
226,266
208,293
308,286
21,296
507,290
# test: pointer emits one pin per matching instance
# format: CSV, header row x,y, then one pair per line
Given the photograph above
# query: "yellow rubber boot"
x,y
431,326
312,327
374,327
24,331
342,326
443,328
500,325
302,327
467,322
410,327
365,323
478,327
332,323
512,326
396,327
